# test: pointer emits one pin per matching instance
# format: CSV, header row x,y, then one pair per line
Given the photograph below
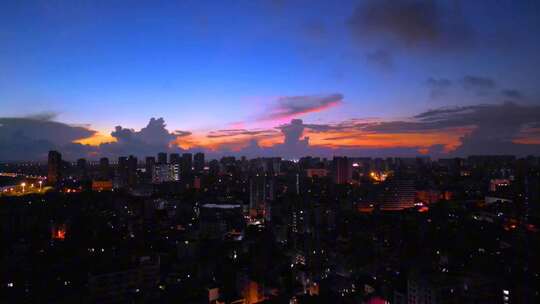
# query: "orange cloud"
x,y
96,139
449,138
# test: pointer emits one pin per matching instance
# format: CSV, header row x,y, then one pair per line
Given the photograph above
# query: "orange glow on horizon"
x,y
95,140
450,139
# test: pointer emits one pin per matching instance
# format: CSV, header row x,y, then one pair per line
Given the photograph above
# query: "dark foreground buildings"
x,y
267,230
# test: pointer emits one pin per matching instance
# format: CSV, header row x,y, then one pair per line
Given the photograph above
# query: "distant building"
x,y
127,171
132,170
174,158
82,168
398,194
164,173
261,192
311,173
187,163
149,164
102,185
54,168
104,169
162,158
342,172
499,184
198,162
119,283
122,171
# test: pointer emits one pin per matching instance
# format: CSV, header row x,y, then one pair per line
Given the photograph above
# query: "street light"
x,y
40,182
23,185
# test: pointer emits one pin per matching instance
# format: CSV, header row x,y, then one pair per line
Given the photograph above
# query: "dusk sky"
x,y
258,78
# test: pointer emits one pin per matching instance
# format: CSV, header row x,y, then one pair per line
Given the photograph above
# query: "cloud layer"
x,y
293,106
507,128
411,23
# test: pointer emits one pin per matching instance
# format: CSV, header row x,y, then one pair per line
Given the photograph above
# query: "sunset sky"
x,y
257,78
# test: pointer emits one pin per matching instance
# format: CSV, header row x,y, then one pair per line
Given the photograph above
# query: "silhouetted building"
x,y
104,185
187,163
127,171
104,169
198,162
132,170
54,168
165,173
341,170
122,171
174,158
149,164
162,158
398,194
261,193
82,168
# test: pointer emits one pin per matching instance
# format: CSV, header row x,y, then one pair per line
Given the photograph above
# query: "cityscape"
x,y
184,229
270,151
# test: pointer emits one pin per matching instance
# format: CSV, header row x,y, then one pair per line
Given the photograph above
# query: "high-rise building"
x,y
198,162
261,193
132,170
82,169
187,163
174,158
149,164
54,168
342,172
398,194
165,173
162,158
122,171
104,169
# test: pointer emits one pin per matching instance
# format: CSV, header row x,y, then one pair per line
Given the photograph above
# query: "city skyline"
x,y
272,78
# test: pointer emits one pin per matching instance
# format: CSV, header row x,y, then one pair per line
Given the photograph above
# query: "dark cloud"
x,y
44,116
512,94
380,58
149,140
31,138
293,133
478,84
489,129
56,133
412,23
496,127
180,133
293,106
438,86
155,133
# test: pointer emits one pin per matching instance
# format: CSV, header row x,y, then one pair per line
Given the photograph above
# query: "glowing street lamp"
x,y
23,185
40,182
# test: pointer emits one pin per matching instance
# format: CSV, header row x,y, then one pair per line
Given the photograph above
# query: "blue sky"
x,y
208,65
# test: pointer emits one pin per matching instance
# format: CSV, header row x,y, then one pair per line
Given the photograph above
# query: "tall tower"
x,y
341,170
198,162
82,168
162,158
54,168
132,170
261,193
187,163
174,158
149,164
104,169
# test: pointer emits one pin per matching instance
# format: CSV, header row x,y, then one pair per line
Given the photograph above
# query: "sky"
x,y
264,78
